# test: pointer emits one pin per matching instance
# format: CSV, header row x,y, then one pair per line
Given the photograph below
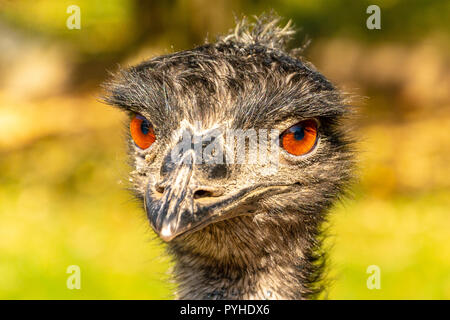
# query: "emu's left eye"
x,y
300,138
142,132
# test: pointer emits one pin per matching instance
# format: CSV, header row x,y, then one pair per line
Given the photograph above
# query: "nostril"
x,y
159,188
202,194
207,192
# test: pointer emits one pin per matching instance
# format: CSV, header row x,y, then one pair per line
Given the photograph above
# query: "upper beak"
x,y
173,213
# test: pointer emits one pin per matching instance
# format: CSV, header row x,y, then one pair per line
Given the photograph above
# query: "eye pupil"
x,y
299,133
145,126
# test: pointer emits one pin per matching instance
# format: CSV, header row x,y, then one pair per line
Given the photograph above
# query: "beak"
x,y
177,211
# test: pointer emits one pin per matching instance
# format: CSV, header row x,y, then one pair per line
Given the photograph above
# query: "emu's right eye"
x,y
142,132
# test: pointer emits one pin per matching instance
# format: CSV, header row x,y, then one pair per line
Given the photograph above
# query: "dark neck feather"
x,y
243,258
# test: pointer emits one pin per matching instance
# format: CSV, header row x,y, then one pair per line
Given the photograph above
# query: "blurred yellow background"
x,y
63,172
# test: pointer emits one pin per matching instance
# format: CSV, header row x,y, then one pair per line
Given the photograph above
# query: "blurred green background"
x,y
63,165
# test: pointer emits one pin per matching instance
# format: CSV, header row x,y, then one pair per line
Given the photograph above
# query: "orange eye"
x,y
300,138
142,132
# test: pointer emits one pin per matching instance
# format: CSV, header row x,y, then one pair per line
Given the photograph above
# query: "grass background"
x,y
63,160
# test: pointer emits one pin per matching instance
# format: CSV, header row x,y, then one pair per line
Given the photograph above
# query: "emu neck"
x,y
243,259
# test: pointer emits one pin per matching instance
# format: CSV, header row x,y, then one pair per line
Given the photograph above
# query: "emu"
x,y
247,230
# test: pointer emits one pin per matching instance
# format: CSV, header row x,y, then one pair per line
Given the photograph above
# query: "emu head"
x,y
231,129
